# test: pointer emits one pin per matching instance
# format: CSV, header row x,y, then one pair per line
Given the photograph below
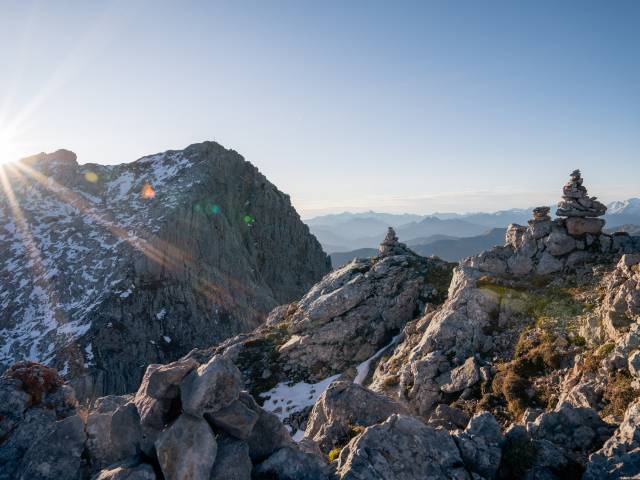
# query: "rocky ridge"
x,y
175,250
527,368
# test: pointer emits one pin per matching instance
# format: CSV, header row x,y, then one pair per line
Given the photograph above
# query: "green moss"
x,y
334,454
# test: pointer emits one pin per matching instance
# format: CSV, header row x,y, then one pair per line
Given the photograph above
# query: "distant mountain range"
x,y
347,232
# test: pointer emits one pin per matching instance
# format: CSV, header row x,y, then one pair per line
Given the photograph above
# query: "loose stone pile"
x,y
390,245
579,208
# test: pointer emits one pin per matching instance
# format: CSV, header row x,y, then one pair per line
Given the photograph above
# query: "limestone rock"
x,y
401,448
289,463
342,406
268,435
448,417
211,387
480,445
57,454
237,418
464,376
187,449
581,225
232,460
619,457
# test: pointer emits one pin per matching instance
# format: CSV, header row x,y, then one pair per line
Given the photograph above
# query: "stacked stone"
x,y
579,209
390,245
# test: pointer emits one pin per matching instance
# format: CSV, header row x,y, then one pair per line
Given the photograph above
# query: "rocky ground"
x,y
173,251
522,362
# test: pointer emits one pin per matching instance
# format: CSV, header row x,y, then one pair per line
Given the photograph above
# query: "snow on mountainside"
x,y
191,246
627,207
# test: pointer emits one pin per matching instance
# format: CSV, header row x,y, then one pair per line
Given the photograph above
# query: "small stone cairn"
x,y
579,209
390,245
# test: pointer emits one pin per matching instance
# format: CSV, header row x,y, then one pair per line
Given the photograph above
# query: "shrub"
x,y
37,379
334,454
618,394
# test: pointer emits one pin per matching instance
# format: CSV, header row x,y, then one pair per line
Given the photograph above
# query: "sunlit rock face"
x,y
105,269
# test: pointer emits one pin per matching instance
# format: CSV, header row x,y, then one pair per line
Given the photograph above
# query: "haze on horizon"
x,y
398,107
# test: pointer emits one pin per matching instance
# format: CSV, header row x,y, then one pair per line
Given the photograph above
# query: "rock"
x,y
57,454
268,435
211,387
162,381
572,428
232,460
391,246
236,419
634,364
580,225
126,471
619,457
520,264
480,445
461,377
187,449
343,406
448,417
289,463
548,264
621,304
113,436
402,447
559,243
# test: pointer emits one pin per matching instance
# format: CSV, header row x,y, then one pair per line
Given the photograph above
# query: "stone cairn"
x,y
390,245
579,209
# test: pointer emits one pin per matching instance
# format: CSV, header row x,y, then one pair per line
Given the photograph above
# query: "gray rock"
x,y
464,376
342,406
267,436
289,463
578,226
620,455
401,448
548,264
211,387
232,460
57,454
448,417
480,445
634,364
187,449
236,419
113,436
163,381
559,243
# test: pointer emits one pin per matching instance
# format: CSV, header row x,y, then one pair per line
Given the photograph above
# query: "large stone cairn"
x,y
579,208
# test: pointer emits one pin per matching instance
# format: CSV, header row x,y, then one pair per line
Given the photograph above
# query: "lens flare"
x,y
147,192
91,177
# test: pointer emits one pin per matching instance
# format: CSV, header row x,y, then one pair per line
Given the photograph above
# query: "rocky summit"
x,y
106,269
522,362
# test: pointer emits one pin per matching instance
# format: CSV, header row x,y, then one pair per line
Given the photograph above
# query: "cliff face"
x,y
106,269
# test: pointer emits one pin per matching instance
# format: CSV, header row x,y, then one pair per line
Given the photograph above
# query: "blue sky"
x,y
394,106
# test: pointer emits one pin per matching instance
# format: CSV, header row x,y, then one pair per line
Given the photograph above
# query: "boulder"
x,y
268,435
480,445
620,455
211,387
236,419
448,417
163,381
113,436
57,454
232,460
289,463
577,226
559,243
187,449
404,448
464,376
342,406
548,264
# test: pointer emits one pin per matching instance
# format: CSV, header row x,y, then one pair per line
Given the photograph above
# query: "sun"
x,y
8,148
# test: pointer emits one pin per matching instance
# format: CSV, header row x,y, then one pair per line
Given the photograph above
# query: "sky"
x,y
348,105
